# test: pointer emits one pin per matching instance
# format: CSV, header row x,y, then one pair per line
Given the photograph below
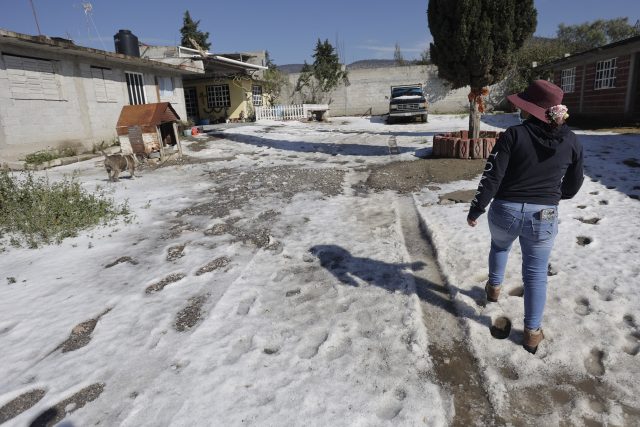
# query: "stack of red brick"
x,y
459,145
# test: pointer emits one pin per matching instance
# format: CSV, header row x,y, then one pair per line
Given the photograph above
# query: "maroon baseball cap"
x,y
535,99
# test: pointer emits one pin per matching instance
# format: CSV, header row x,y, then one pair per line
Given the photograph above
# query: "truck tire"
x,y
390,120
425,118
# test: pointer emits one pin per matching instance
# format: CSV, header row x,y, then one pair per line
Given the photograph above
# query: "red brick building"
x,y
603,83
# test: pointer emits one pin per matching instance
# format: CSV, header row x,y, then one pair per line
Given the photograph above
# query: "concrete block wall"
x,y
368,88
28,125
77,118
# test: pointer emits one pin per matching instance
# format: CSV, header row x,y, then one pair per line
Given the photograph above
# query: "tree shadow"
x,y
344,149
390,132
395,278
500,120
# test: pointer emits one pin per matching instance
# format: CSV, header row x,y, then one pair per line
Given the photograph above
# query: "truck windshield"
x,y
406,91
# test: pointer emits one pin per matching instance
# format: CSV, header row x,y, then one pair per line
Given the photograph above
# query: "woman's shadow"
x,y
398,278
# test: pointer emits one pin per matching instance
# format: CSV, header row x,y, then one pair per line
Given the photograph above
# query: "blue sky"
x,y
287,29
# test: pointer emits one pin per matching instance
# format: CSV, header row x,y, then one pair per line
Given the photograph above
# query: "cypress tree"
x,y
190,31
475,43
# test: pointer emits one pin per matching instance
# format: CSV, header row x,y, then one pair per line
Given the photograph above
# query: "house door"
x,y
191,102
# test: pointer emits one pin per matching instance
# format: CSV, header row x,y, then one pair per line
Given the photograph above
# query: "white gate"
x,y
280,112
292,112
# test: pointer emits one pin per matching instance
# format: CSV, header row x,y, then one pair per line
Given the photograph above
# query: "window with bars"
x,y
606,74
135,87
256,91
191,101
218,96
568,80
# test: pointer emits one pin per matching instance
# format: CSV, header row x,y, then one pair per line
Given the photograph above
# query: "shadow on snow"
x,y
344,149
396,277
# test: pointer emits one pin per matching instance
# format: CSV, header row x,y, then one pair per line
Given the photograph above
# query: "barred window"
x,y
606,74
568,80
218,96
256,91
191,101
135,87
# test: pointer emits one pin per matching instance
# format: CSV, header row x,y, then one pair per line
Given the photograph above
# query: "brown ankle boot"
x,y
532,337
493,292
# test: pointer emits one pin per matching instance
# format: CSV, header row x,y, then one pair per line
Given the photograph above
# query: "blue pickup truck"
x,y
407,101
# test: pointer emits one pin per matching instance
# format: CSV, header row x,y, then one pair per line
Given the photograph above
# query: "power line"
x,y
88,11
35,17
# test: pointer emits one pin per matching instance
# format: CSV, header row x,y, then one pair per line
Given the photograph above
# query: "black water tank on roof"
x,y
126,43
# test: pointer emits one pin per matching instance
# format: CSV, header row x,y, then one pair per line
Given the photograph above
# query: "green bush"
x,y
40,157
44,156
35,211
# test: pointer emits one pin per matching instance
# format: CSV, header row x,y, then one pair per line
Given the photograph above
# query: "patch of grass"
x,y
40,157
34,211
44,156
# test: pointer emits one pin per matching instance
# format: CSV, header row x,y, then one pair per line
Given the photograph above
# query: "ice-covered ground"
x,y
217,307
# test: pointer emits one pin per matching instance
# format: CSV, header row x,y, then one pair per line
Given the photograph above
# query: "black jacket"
x,y
531,163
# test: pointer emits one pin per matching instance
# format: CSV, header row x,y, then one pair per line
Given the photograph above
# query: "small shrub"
x,y
35,211
40,157
44,156
68,152
99,147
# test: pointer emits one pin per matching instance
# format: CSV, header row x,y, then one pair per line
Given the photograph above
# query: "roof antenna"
x,y
35,17
88,9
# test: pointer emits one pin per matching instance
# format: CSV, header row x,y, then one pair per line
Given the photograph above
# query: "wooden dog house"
x,y
147,128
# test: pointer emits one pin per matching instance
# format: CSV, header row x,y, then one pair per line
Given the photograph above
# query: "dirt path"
x,y
456,369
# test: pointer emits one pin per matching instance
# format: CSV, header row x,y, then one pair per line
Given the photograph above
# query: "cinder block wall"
x,y
368,88
76,119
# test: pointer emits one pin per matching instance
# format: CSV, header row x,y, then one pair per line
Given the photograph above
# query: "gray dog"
x,y
116,163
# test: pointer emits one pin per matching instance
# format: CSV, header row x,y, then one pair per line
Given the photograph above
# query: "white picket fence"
x,y
280,112
288,112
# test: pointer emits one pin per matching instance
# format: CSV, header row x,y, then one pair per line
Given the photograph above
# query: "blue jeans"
x,y
536,232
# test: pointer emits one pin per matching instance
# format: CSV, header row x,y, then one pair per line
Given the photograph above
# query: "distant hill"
x,y
290,68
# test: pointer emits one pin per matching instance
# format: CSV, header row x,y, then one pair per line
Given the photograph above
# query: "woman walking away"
x,y
532,166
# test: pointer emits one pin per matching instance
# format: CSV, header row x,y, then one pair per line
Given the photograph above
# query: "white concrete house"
x,y
55,94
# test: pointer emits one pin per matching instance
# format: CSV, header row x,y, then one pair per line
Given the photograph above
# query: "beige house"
x,y
55,94
228,90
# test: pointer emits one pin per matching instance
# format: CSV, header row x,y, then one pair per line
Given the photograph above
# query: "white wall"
x,y
79,115
368,88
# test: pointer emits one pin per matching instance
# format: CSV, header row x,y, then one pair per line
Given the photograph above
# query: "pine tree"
x,y
475,43
324,75
190,31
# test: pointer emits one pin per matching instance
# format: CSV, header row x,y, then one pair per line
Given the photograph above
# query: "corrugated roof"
x,y
147,115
